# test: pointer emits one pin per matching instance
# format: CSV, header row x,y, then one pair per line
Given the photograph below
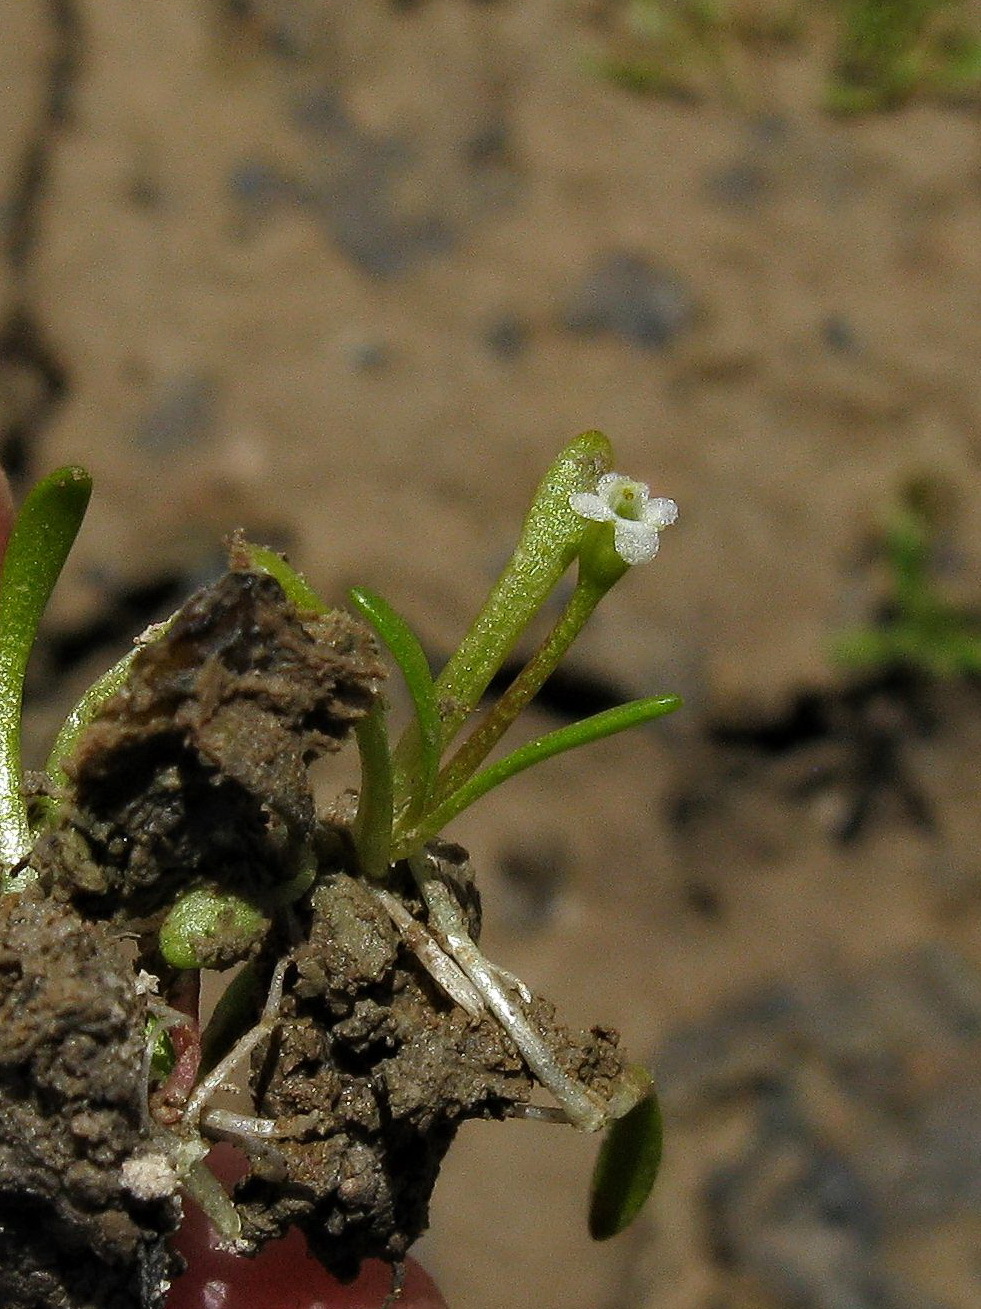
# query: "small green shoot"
x,y
890,50
414,782
920,630
879,53
295,586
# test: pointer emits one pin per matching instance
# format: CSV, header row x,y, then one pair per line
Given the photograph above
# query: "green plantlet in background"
x,y
680,48
881,52
920,630
889,50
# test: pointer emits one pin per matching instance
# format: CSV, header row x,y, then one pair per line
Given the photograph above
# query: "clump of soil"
x,y
72,1099
196,771
369,1075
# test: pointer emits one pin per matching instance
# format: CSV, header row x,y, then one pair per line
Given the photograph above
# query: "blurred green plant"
x,y
919,629
883,52
890,50
688,48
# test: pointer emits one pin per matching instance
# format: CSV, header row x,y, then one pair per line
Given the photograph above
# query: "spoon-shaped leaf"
x,y
625,1169
549,542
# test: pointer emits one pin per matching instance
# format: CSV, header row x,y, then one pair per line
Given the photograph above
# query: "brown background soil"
x,y
325,271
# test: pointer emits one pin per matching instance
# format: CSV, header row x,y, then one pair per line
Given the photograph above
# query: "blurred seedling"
x,y
688,48
880,52
890,50
919,630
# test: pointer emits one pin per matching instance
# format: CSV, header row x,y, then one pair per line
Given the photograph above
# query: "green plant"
x,y
681,48
889,50
175,805
919,630
882,51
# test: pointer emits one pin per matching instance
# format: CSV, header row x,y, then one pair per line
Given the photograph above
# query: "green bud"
x,y
207,929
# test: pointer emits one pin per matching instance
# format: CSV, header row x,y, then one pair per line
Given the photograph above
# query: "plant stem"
x,y
519,694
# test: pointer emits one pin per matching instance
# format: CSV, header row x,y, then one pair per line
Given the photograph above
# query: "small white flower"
x,y
636,518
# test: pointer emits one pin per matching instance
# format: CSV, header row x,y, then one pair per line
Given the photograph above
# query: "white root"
x,y
583,1109
238,1127
440,967
240,1051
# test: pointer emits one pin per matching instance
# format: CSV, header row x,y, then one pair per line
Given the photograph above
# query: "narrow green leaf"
x,y
42,536
591,729
414,780
625,1169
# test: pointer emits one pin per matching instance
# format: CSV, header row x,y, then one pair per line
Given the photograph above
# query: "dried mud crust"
x,y
71,1115
370,1073
196,771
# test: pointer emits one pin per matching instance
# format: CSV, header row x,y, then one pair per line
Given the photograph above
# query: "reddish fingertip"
x,y
283,1276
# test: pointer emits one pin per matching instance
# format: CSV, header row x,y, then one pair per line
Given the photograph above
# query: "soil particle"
x,y
369,1076
71,1095
196,770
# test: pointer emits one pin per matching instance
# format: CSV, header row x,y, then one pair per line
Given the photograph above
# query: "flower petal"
x,y
609,485
660,513
588,505
634,542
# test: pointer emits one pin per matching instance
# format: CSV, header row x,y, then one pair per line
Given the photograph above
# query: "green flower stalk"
x,y
624,530
549,542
